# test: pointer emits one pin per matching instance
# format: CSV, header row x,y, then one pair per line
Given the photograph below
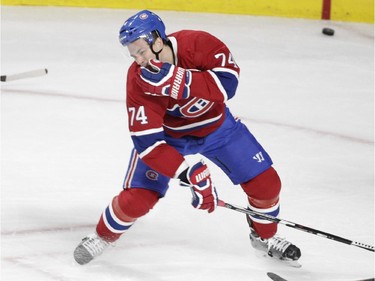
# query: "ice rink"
x,y
307,97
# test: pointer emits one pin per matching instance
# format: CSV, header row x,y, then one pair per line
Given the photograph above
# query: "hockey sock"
x,y
263,196
123,211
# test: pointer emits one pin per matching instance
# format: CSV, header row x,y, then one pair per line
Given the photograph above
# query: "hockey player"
x,y
177,90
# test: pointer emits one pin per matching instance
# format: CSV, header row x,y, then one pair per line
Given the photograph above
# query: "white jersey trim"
x,y
151,148
175,48
194,125
147,132
219,85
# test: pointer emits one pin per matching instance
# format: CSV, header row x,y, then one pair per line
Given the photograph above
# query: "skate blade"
x,y
292,263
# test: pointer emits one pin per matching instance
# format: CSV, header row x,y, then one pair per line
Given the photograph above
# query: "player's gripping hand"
x,y
165,79
198,178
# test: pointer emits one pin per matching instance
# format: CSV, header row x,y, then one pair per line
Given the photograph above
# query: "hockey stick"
x,y
23,75
296,226
276,277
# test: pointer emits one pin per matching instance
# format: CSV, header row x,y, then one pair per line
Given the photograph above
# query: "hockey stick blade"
x,y
24,75
296,226
276,277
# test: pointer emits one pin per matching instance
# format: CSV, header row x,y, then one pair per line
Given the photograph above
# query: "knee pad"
x,y
133,203
263,190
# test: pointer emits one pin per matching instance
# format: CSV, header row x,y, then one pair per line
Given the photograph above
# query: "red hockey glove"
x,y
165,79
199,180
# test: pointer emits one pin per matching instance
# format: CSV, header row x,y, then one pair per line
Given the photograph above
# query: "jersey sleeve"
x,y
215,74
145,121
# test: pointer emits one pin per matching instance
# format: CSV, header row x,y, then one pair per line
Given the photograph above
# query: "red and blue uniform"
x,y
214,81
164,130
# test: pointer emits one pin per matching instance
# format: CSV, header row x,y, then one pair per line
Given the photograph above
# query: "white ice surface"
x,y
307,97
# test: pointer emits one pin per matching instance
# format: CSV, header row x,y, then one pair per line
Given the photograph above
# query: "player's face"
x,y
141,52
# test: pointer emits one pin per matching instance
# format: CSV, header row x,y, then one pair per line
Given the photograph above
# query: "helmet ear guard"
x,y
150,37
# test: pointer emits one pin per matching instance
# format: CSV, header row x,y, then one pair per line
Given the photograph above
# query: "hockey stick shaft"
x,y
23,75
296,226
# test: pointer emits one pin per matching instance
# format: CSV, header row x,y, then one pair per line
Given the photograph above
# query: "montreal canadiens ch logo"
x,y
143,16
152,175
196,107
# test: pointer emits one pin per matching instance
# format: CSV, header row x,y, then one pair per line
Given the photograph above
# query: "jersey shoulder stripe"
x,y
146,132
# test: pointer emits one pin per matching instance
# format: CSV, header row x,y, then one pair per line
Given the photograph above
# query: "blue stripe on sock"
x,y
113,223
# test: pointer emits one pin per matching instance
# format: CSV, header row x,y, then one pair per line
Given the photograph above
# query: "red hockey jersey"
x,y
214,81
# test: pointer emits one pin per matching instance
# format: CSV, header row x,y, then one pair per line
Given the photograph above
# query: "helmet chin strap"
x,y
156,53
169,43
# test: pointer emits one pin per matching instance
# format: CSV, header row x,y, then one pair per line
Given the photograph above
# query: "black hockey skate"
x,y
275,247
